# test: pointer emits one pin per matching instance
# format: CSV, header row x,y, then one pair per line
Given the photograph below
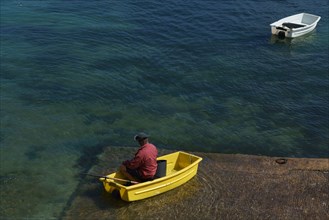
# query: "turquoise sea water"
x,y
197,75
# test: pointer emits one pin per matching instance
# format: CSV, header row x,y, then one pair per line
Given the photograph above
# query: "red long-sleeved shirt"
x,y
145,161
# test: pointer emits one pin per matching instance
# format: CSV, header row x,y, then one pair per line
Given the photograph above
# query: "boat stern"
x,y
117,190
280,30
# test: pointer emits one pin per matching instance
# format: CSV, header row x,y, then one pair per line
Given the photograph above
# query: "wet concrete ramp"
x,y
226,187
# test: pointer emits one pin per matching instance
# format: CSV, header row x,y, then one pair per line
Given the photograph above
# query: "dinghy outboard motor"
x,y
282,32
281,35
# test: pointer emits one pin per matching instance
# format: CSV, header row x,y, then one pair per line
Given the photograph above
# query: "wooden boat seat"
x,y
292,25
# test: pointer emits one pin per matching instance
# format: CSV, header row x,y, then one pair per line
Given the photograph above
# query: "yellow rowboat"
x,y
180,168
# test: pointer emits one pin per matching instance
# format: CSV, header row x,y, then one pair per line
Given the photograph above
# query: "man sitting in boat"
x,y
144,165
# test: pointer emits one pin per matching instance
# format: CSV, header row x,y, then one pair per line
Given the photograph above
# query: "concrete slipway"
x,y
226,187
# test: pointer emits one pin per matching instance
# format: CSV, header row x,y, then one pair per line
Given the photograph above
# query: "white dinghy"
x,y
295,25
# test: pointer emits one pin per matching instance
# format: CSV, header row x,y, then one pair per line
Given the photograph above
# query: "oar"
x,y
106,177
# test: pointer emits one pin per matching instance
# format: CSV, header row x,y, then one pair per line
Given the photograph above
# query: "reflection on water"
x,y
276,39
307,38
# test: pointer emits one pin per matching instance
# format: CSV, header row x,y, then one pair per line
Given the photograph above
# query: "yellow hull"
x,y
181,167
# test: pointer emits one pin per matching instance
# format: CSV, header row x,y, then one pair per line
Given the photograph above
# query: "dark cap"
x,y
140,136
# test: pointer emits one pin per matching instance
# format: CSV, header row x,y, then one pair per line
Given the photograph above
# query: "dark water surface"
x,y
197,75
